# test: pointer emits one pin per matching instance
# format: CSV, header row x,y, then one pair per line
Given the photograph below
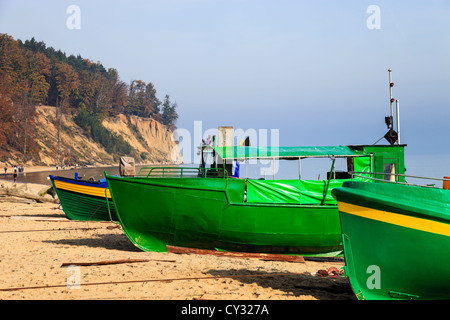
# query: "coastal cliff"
x,y
151,142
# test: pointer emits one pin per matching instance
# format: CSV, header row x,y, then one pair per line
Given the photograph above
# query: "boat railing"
x,y
364,175
167,172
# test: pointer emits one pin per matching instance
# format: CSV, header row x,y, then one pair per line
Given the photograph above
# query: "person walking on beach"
x,y
5,169
15,174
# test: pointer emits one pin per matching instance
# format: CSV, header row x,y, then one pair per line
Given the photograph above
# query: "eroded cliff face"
x,y
146,136
152,142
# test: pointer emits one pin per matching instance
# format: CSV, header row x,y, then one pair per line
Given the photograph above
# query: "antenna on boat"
x,y
398,119
391,100
391,136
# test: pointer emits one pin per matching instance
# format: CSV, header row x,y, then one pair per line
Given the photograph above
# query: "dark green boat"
x,y
396,239
265,216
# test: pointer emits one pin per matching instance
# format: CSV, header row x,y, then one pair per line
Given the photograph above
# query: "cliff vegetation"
x,y
58,110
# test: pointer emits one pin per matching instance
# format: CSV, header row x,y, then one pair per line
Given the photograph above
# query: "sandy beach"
x,y
46,256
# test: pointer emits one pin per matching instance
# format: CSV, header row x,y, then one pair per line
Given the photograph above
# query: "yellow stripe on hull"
x,y
396,219
91,191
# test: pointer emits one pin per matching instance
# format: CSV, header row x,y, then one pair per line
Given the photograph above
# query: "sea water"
x,y
310,168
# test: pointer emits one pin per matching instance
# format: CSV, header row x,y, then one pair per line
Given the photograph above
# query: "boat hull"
x,y
210,213
396,240
84,200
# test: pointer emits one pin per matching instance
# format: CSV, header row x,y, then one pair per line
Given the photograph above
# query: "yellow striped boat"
x,y
396,240
84,200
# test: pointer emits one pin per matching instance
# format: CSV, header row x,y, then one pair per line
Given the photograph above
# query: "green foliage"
x,y
142,100
144,155
136,131
112,142
169,113
32,73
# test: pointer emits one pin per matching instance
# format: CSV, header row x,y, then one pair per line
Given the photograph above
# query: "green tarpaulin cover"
x,y
298,191
241,152
290,191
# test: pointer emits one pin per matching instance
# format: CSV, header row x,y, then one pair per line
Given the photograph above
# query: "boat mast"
x,y
391,100
391,136
398,120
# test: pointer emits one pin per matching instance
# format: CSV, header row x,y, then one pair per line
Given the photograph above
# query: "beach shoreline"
x,y
10,170
28,169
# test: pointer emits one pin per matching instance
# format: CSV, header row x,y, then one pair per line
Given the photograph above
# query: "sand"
x,y
41,249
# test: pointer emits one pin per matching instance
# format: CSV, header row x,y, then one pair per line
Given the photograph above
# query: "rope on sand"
x,y
60,229
102,263
157,280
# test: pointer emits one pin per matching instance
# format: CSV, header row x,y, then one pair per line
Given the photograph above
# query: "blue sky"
x,y
312,69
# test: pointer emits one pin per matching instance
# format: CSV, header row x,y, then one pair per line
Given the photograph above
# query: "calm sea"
x,y
314,169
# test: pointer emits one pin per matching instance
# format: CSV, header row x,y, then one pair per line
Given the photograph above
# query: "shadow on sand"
x,y
296,284
107,241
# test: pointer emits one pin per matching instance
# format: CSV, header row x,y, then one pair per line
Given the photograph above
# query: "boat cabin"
x,y
387,159
361,160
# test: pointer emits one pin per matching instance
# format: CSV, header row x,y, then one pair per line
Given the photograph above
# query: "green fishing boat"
x,y
84,200
396,239
211,210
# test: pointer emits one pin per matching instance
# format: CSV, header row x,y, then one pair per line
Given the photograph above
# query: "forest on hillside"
x,y
31,73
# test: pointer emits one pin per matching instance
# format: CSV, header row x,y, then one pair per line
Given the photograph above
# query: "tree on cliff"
x,y
66,82
118,93
24,83
6,112
169,113
142,100
32,73
13,86
36,91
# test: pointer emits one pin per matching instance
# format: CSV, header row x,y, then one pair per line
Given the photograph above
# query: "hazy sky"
x,y
314,70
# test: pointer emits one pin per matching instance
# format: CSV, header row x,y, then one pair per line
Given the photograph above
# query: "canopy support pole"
x,y
299,168
273,168
328,182
398,120
246,168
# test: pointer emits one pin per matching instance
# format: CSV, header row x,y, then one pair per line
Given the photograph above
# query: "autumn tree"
x,y
66,82
38,74
92,92
36,91
13,65
32,73
6,112
118,93
142,100
25,83
102,94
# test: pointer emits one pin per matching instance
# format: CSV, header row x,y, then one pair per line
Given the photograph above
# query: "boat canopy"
x,y
244,152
